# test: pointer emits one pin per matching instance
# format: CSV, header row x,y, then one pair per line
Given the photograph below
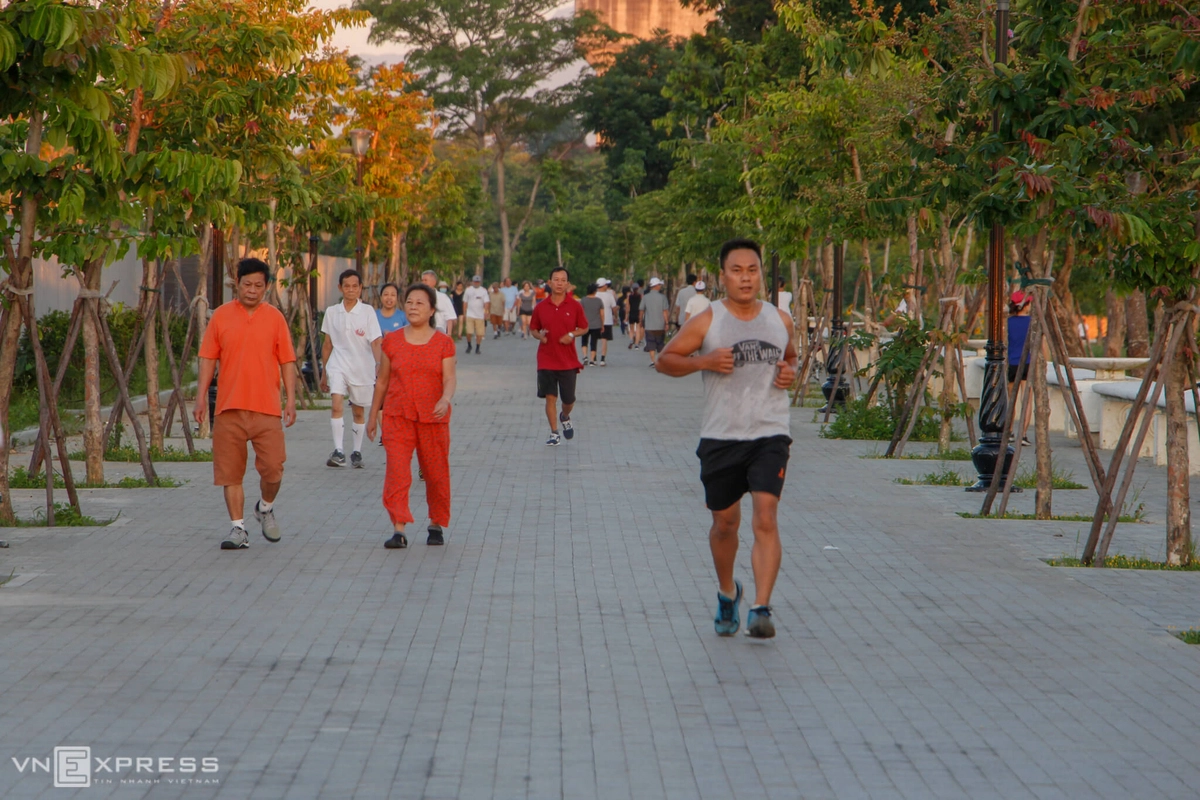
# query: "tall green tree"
x,y
488,65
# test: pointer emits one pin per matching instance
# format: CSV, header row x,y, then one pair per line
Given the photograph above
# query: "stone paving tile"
x,y
560,644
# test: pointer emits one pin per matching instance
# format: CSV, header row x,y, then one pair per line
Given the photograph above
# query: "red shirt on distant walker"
x,y
557,321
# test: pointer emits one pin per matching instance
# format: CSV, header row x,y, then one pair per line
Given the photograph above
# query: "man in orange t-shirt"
x,y
251,341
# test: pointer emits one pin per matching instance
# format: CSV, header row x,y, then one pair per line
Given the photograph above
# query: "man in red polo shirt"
x,y
251,341
556,323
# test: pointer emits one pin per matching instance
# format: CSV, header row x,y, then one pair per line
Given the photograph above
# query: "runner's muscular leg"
x,y
552,411
723,540
358,413
336,401
767,552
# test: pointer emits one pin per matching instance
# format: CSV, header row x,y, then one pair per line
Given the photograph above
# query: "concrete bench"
x,y
1116,403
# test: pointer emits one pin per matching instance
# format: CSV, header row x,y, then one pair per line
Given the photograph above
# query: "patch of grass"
x,y
64,517
1190,636
1059,478
947,476
1128,562
21,479
128,454
953,454
1056,518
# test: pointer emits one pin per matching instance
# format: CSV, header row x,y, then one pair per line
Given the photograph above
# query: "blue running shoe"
x,y
568,431
759,624
728,620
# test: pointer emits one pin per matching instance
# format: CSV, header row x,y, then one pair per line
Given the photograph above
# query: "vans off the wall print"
x,y
756,351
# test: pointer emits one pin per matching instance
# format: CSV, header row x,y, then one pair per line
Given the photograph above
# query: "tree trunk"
x,y
1114,334
201,302
1179,513
20,279
1041,427
93,426
404,269
502,203
1062,304
393,270
150,309
911,296
1137,328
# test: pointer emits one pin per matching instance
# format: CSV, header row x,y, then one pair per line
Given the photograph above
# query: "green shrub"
x,y
860,421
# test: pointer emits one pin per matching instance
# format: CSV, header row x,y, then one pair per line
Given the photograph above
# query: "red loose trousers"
x,y
431,440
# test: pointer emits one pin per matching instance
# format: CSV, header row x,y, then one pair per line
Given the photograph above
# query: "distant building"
x,y
643,17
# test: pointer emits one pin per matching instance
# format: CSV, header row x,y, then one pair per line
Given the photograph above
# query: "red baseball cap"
x,y
1020,298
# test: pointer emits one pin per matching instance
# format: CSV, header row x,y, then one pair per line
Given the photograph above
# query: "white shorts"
x,y
359,395
510,315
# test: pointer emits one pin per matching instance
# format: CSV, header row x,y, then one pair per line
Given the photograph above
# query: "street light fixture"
x,y
360,143
993,399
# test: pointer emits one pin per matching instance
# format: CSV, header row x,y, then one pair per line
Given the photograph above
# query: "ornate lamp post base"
x,y
836,391
993,407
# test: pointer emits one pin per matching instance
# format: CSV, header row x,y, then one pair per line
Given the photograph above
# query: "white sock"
x,y
358,431
239,523
264,506
339,432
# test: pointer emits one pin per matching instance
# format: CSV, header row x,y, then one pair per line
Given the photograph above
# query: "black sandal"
x,y
398,541
435,535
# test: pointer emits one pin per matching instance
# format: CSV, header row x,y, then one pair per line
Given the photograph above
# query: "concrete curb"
x,y
30,435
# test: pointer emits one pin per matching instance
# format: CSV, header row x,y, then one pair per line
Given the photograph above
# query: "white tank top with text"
x,y
745,404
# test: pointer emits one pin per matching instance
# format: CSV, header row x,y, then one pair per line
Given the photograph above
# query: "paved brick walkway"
x,y
561,643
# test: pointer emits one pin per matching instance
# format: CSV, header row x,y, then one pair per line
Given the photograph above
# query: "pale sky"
x,y
355,39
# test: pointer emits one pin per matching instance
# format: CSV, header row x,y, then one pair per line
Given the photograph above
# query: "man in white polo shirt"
x,y
475,302
350,355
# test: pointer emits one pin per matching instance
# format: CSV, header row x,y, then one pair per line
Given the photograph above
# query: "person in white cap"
x,y
654,319
609,298
475,301
698,303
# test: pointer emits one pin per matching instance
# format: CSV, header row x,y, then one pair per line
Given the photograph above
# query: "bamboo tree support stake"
x,y
184,358
1143,428
43,410
50,401
123,388
176,378
1070,392
1110,482
1003,472
800,392
144,324
962,391
1026,400
841,372
907,421
35,460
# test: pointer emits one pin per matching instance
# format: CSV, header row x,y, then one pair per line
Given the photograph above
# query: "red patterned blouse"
x,y
415,380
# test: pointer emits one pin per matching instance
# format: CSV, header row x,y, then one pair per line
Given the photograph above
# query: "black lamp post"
x,y
360,143
836,390
993,399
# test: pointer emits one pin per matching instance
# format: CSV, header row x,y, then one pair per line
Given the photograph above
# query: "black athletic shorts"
x,y
729,469
1017,372
558,383
592,338
607,335
655,340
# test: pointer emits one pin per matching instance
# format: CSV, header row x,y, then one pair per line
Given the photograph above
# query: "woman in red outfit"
x,y
415,401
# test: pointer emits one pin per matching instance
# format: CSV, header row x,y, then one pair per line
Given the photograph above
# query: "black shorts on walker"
x,y
558,383
730,468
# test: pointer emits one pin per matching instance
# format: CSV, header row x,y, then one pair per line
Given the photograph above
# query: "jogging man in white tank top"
x,y
745,349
